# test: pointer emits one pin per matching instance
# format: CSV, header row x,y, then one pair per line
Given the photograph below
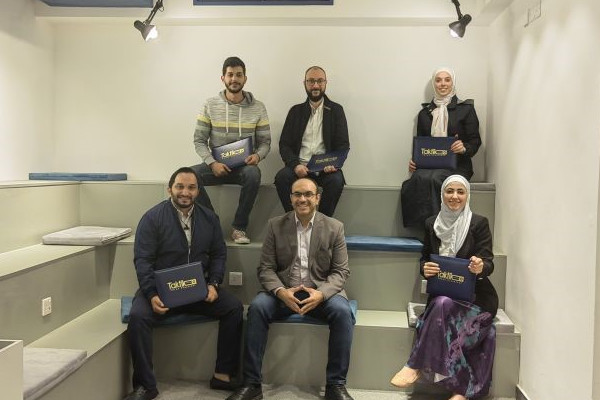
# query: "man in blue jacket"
x,y
176,232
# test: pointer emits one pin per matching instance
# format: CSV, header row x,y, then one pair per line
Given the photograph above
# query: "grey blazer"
x,y
327,258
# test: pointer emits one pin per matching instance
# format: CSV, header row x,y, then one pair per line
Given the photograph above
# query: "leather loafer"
x,y
218,384
141,393
247,392
337,392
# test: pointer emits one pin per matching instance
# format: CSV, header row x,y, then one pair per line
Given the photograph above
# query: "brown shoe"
x,y
405,377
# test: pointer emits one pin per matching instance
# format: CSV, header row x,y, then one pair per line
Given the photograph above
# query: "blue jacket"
x,y
160,242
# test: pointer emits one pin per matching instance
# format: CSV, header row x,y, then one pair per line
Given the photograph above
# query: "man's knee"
x,y
250,175
285,177
261,306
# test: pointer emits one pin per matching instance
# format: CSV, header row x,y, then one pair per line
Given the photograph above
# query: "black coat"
x,y
477,243
462,121
335,130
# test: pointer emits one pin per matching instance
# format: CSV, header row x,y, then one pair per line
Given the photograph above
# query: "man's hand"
x,y
157,305
412,167
288,298
252,159
301,171
212,294
219,169
329,169
314,298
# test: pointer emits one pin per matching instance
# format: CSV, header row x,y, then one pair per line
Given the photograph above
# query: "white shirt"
x,y
299,274
312,140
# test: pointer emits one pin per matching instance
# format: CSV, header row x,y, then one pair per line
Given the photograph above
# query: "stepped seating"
x,y
86,284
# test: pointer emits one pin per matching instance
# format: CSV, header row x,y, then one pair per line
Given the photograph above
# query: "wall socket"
x,y
235,278
46,306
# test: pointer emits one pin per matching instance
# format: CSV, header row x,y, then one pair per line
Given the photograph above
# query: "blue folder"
x,y
434,152
454,279
233,154
181,285
318,162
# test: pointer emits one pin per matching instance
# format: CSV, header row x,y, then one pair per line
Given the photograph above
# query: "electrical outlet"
x,y
46,306
235,278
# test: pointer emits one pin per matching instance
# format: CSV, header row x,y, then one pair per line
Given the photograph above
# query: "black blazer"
x,y
477,243
335,130
462,121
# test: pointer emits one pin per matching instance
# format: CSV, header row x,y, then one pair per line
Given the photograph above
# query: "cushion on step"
x,y
383,243
307,319
45,368
73,176
86,236
168,319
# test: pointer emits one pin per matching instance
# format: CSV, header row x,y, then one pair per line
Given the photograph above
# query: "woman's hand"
x,y
458,147
430,269
412,167
476,265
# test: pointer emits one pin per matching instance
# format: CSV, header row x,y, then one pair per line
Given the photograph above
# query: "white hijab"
x,y
451,227
439,125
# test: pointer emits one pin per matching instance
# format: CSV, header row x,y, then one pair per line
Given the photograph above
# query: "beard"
x,y
236,90
317,97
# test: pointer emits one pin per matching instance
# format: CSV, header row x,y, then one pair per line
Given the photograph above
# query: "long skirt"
x,y
455,347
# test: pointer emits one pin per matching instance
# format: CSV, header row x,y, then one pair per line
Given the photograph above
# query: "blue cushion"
x,y
307,319
168,319
383,243
69,176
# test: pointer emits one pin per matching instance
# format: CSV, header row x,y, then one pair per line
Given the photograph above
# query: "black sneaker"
x,y
141,393
247,392
217,384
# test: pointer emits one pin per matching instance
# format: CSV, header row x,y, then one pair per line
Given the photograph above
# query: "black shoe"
x,y
141,393
218,384
337,392
247,392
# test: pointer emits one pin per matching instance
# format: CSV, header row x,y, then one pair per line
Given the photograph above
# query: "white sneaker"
x,y
239,237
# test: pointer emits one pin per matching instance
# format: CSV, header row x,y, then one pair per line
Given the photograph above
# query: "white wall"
x,y
26,91
123,105
543,156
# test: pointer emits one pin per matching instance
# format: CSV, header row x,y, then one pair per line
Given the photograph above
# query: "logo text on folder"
x,y
449,276
434,152
182,284
232,153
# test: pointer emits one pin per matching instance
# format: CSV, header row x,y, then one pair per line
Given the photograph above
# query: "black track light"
x,y
148,30
457,28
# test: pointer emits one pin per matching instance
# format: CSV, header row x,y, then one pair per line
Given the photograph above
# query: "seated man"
x,y
298,279
317,126
172,233
231,116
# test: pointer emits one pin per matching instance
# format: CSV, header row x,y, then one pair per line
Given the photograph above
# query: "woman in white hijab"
x,y
459,353
444,116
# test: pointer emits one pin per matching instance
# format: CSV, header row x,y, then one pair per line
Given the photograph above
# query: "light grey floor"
x,y
183,390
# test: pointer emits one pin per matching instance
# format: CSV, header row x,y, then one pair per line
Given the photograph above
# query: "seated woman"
x,y
457,353
444,116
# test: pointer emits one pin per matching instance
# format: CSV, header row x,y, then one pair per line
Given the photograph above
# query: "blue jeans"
x,y
265,308
248,176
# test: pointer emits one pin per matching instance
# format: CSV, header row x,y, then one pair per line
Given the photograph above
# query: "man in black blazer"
x,y
317,126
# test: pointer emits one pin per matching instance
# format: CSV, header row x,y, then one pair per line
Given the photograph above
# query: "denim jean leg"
x,y
341,327
249,178
261,312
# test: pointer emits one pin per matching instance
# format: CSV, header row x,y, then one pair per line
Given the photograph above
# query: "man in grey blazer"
x,y
303,269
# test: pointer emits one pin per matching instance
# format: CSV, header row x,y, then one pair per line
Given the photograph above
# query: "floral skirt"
x,y
455,346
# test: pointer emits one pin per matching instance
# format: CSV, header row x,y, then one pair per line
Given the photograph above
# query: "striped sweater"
x,y
222,122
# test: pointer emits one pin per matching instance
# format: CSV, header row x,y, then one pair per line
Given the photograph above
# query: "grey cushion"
x,y
45,368
86,236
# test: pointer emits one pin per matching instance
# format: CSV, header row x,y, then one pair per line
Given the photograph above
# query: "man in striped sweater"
x,y
231,116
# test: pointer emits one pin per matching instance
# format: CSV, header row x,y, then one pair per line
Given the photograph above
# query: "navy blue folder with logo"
x,y
233,154
454,279
181,285
318,162
434,152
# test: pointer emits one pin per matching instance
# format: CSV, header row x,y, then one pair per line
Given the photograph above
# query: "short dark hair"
x,y
314,67
233,62
182,170
308,178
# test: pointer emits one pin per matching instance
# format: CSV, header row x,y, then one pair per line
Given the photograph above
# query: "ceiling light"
x,y
457,28
148,30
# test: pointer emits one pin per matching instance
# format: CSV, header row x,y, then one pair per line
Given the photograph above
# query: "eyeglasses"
x,y
311,82
307,195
